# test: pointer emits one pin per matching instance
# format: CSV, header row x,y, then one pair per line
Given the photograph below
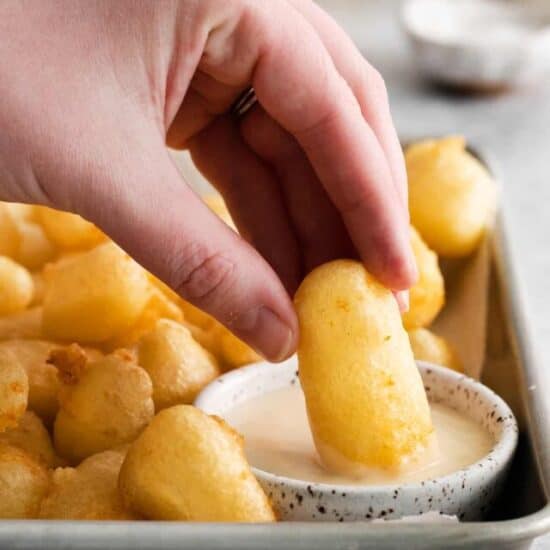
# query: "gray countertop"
x,y
514,129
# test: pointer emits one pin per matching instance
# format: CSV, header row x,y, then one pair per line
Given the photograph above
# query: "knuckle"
x,y
374,83
203,277
356,201
327,114
254,17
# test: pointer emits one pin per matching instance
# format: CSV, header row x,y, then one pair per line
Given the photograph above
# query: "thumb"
x,y
159,220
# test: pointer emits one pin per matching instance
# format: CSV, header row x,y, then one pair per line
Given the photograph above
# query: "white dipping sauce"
x,y
278,440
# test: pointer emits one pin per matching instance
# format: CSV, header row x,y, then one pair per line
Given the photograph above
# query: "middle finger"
x,y
318,225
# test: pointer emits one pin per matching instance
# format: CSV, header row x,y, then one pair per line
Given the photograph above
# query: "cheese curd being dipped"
x,y
365,399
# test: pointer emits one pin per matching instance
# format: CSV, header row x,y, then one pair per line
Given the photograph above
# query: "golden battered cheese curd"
x,y
159,306
178,366
26,325
187,465
203,328
21,212
14,392
43,383
165,289
427,295
16,287
69,231
87,492
365,399
451,195
95,296
31,436
39,285
428,346
35,249
10,239
208,339
106,404
197,317
23,484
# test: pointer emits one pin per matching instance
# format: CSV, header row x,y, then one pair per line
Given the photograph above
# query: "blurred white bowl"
x,y
480,44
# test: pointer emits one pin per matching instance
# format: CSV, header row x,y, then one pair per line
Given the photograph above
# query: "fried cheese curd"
x,y
87,492
43,382
16,287
10,239
451,195
26,325
35,249
31,436
428,346
14,392
39,289
24,482
102,403
187,465
178,366
366,403
21,211
159,306
427,295
67,230
94,296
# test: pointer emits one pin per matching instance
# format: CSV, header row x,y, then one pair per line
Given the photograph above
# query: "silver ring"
x,y
244,103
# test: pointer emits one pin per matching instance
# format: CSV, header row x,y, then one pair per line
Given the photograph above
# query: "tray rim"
x,y
153,534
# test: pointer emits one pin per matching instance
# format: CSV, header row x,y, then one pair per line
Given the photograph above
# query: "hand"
x,y
93,90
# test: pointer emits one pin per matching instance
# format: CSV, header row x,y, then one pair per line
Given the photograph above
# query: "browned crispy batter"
x,y
126,355
70,362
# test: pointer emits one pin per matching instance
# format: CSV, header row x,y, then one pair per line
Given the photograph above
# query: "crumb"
x,y
70,363
125,355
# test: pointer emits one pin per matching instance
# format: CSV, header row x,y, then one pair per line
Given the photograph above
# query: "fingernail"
x,y
402,298
266,333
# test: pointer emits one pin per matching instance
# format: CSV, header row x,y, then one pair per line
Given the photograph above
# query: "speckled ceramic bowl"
x,y
467,494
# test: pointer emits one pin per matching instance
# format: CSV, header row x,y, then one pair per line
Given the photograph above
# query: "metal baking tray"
x,y
522,514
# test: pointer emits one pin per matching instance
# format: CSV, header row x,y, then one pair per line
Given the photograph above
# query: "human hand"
x,y
92,91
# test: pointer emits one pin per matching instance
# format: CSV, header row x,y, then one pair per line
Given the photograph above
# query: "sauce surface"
x,y
278,440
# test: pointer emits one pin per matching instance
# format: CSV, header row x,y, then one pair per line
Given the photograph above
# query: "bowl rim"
x,y
500,454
